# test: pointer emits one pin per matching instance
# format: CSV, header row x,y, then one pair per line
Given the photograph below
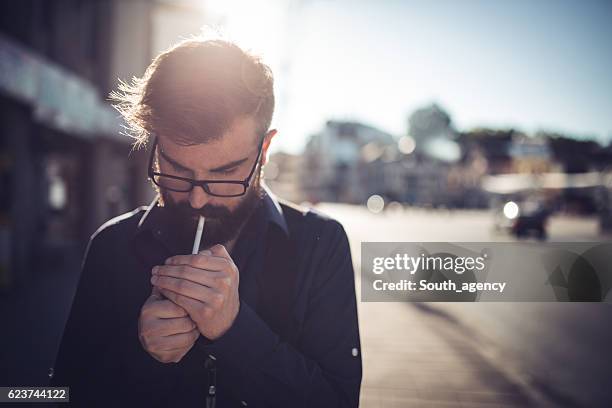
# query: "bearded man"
x,y
263,312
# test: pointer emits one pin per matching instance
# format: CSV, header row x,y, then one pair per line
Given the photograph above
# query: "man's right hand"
x,y
165,329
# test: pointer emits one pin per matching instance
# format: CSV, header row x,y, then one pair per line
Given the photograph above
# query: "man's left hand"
x,y
205,285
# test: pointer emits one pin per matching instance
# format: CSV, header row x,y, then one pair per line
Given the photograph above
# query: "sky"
x,y
530,65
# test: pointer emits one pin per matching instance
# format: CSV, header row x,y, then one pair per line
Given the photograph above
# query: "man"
x,y
264,315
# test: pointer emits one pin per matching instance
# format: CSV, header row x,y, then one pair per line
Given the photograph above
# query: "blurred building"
x,y
349,162
65,167
439,167
432,129
283,174
487,152
531,154
334,160
581,156
491,147
605,199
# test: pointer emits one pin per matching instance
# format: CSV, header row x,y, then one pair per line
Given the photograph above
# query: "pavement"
x,y
415,357
477,354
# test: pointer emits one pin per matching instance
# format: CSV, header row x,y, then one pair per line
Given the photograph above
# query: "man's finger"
x,y
192,306
155,295
167,309
169,327
199,276
201,261
176,341
219,250
185,287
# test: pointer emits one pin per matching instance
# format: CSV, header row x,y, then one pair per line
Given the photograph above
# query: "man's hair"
x,y
192,93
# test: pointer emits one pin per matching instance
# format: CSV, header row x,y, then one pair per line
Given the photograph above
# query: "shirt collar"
x,y
273,209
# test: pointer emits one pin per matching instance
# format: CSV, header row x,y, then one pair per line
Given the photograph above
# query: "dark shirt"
x,y
314,362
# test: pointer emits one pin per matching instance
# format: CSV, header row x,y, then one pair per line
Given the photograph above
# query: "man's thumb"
x,y
156,293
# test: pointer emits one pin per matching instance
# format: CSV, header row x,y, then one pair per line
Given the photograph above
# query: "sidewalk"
x,y
476,354
414,357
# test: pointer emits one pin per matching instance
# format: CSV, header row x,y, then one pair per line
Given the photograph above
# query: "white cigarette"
x,y
198,236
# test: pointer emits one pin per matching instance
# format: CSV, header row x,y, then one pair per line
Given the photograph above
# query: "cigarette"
x,y
198,236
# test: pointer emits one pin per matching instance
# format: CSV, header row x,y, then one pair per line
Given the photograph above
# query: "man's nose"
x,y
198,197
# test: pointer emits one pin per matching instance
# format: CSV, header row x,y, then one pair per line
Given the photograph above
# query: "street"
x,y
477,354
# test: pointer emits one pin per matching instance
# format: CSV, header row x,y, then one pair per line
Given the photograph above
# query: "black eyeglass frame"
x,y
203,183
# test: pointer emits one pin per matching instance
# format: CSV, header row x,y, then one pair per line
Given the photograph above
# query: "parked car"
x,y
524,219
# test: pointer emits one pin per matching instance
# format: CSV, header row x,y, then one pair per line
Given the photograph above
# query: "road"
x,y
477,354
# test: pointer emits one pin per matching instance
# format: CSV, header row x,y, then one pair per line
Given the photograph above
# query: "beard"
x,y
222,224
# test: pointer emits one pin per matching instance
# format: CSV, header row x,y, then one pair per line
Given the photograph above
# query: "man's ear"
x,y
266,144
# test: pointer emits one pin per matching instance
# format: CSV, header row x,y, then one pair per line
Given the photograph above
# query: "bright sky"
x,y
526,64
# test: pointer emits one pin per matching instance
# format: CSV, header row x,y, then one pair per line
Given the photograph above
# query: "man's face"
x,y
229,158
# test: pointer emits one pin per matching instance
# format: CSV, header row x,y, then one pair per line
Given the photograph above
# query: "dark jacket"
x,y
294,343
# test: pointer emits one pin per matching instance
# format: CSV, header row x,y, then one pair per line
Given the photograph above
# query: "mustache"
x,y
208,211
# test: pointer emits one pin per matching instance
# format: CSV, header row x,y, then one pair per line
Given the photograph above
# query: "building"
x,y
335,158
65,167
283,174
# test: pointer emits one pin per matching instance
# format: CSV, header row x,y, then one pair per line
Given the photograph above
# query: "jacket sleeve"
x,y
81,353
325,370
100,357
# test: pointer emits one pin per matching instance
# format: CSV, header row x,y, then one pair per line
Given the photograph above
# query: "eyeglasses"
x,y
217,188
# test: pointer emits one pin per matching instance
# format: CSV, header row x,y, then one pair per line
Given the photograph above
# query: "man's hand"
x,y
165,329
205,285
